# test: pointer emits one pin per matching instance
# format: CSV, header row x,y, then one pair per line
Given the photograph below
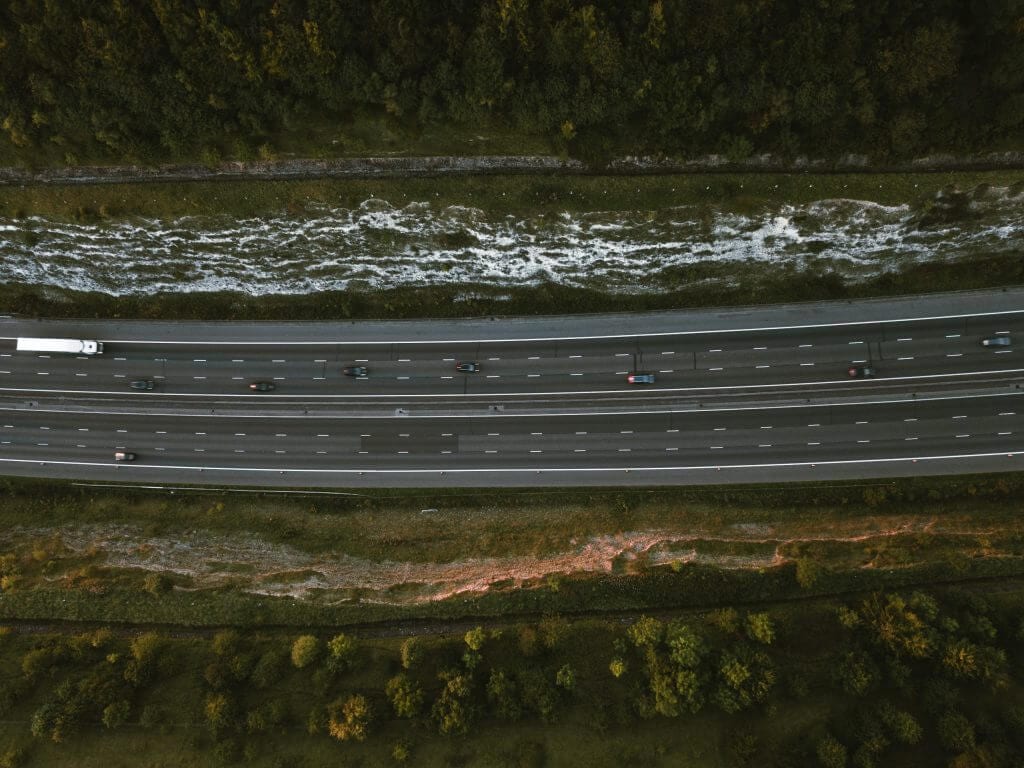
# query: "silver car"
x,y
996,341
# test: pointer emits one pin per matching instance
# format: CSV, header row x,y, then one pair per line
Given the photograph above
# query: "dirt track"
x,y
391,167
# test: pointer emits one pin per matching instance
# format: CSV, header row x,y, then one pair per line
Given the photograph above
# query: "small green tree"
x,y
857,673
646,632
759,628
341,652
475,638
305,650
406,697
902,725
503,695
452,711
220,712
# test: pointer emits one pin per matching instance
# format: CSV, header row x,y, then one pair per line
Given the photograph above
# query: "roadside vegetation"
x,y
151,81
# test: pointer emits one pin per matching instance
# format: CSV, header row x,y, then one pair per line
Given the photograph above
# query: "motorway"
x,y
745,395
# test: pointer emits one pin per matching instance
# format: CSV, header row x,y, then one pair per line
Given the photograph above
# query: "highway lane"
x,y
852,430
783,357
756,404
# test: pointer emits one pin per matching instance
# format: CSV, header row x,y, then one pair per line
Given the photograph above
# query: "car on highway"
x,y
860,372
124,456
355,370
141,384
640,378
263,386
996,341
467,367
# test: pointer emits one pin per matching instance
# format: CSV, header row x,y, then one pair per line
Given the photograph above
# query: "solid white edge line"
x,y
347,342
531,470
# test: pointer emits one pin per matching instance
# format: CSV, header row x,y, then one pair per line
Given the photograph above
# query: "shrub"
x,y
305,650
617,667
565,678
646,632
412,652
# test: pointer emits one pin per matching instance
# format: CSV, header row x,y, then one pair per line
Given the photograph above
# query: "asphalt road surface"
x,y
744,395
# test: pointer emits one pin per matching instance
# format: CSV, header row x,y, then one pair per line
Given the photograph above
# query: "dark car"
x,y
355,370
860,372
124,456
640,378
996,341
141,384
262,386
468,367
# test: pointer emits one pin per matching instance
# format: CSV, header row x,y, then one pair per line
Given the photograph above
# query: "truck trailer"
x,y
69,346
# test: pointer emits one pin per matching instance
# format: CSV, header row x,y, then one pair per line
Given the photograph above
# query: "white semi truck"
x,y
69,346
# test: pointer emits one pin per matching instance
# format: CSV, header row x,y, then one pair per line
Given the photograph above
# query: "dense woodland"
x,y
175,79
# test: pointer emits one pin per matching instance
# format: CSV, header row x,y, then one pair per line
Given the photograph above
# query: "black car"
x,y
141,384
355,370
124,456
467,367
262,386
860,372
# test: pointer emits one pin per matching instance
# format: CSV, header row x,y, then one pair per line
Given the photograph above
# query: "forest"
x,y
159,80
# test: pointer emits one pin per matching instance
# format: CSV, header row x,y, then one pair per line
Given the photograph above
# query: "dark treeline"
x,y
187,78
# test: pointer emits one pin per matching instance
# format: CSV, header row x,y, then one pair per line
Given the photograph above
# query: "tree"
x,y
808,572
617,667
406,697
759,628
474,638
452,711
902,725
831,752
305,650
857,673
646,632
503,695
115,715
956,733
412,652
685,646
349,720
341,652
220,712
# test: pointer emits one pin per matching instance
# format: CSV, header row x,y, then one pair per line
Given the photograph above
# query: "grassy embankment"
x,y
695,285
96,555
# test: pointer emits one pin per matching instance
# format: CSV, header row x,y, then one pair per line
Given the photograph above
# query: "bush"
x,y
305,650
412,652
